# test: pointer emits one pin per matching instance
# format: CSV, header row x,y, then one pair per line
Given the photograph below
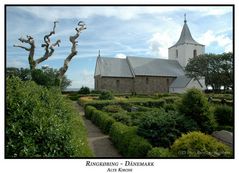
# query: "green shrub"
x,y
88,111
197,144
106,95
122,117
195,105
138,147
224,115
121,135
159,127
84,90
183,123
128,142
159,152
112,108
40,122
102,120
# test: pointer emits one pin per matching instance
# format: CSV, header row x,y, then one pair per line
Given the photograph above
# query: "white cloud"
x,y
159,43
120,55
16,63
123,13
85,78
221,40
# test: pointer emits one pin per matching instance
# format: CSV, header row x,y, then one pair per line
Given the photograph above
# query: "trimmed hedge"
x,y
128,142
99,118
198,144
88,111
40,122
159,152
100,104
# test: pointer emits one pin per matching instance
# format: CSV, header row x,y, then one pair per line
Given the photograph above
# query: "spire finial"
x,y
185,20
99,53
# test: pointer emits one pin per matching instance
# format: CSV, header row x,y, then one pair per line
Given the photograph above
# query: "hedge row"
x,y
40,122
128,142
99,118
146,102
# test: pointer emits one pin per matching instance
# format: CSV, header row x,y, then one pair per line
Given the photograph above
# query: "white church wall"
x,y
185,52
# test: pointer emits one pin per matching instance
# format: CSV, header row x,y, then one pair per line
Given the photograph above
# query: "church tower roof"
x,y
186,37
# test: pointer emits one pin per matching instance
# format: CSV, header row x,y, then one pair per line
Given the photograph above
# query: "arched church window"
x,y
176,53
194,53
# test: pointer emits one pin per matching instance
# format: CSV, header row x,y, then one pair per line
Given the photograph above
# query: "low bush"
x,y
121,136
198,144
106,95
159,127
122,117
195,106
138,147
88,111
224,115
40,122
128,142
159,152
102,120
112,108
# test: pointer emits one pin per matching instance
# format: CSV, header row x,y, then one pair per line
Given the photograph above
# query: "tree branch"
x,y
73,40
49,49
27,49
48,53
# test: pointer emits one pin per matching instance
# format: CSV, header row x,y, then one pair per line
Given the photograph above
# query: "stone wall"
x,y
114,84
139,84
151,84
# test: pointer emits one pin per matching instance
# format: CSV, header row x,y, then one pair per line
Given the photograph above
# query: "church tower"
x,y
186,47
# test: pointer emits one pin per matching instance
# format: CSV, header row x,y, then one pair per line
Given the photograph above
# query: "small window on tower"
x,y
176,53
194,53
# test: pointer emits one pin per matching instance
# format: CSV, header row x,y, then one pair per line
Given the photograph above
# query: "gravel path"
x,y
99,142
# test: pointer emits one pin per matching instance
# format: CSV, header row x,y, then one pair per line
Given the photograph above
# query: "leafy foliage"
x,y
102,120
112,108
23,73
159,128
128,142
217,69
41,123
45,76
84,90
197,144
159,152
224,115
106,95
195,106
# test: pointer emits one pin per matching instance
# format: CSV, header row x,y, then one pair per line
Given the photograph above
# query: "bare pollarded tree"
x,y
49,48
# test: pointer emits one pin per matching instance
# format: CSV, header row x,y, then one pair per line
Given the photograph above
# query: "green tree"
x,y
216,69
84,90
45,76
23,73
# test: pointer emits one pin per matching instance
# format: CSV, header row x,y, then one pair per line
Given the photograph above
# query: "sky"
x,y
117,31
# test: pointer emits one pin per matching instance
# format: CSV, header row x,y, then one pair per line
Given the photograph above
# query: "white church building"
x,y
150,75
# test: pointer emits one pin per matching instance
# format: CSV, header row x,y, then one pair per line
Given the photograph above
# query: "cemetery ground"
x,y
193,125
44,123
